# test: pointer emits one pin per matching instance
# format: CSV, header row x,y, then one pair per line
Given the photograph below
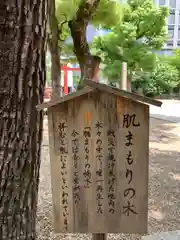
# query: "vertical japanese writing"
x,y
63,159
111,168
129,192
130,120
99,172
75,157
87,170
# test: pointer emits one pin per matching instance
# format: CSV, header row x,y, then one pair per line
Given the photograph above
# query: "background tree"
x,y
88,63
54,37
134,40
68,10
173,60
162,80
22,79
59,30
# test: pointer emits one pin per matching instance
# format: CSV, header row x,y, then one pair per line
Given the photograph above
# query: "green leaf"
x,y
67,9
135,39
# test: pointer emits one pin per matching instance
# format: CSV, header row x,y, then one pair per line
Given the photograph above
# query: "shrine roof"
x,y
91,86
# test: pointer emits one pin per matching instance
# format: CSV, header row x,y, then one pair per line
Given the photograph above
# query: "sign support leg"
x,y
123,81
99,236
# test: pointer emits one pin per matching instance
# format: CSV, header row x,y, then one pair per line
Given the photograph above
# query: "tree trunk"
x,y
22,80
78,25
89,66
53,42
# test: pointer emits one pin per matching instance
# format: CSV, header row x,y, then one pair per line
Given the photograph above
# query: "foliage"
x,y
109,8
174,59
65,10
162,80
134,40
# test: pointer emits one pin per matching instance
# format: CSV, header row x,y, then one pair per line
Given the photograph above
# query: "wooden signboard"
x,y
99,150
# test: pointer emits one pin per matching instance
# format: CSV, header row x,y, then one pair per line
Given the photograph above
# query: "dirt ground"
x,y
164,184
164,176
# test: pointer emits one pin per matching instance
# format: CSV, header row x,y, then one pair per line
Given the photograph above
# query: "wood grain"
x,y
109,110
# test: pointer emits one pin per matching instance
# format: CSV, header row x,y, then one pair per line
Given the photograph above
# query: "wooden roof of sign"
x,y
91,86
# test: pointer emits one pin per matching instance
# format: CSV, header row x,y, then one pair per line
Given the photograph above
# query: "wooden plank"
x,y
135,165
123,93
60,168
55,166
97,178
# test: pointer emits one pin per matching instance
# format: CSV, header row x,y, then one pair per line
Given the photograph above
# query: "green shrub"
x,y
161,81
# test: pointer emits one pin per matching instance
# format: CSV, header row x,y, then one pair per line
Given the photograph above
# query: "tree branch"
x,y
89,64
60,28
79,24
85,10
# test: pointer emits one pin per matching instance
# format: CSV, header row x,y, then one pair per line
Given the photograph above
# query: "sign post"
x,y
123,82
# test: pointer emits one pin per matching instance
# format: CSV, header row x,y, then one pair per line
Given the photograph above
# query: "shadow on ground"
x,y
163,131
164,190
169,118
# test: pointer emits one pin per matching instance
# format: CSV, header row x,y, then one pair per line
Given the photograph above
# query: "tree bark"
x,y
22,80
78,25
53,42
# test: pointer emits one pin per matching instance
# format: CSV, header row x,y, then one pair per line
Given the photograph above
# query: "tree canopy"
x,y
112,9
162,80
173,60
61,28
133,40
66,10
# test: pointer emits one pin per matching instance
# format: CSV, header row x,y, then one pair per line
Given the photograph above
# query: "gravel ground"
x,y
164,185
